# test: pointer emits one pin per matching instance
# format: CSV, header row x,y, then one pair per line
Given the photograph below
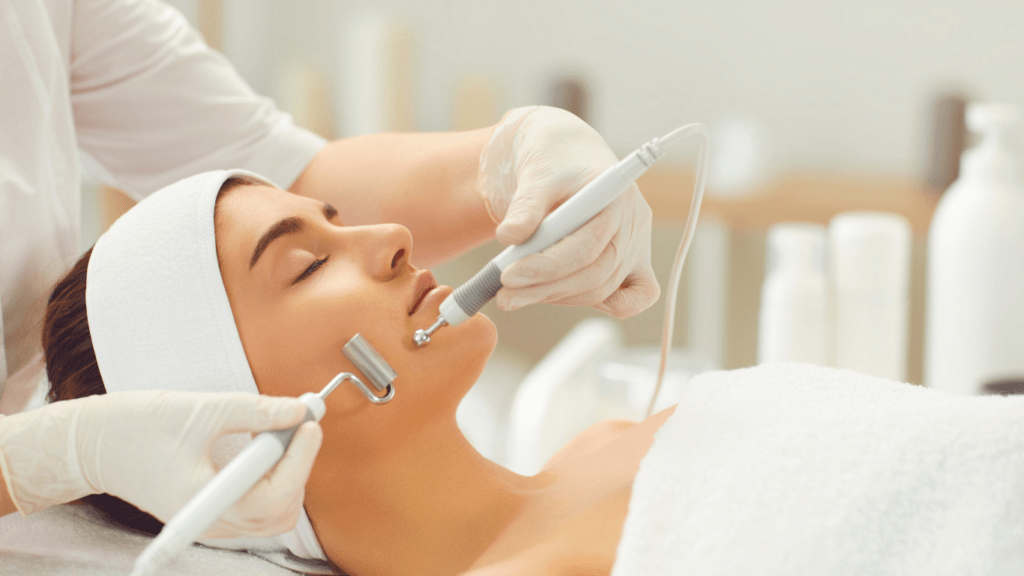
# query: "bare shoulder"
x,y
583,546
540,565
590,440
635,438
538,561
588,541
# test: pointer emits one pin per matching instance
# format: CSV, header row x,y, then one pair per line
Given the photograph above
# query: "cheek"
x,y
297,346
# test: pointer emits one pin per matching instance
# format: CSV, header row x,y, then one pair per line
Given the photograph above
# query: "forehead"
x,y
251,199
244,213
251,208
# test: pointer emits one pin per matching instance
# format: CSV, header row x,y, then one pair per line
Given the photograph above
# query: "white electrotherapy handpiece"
x,y
467,299
257,458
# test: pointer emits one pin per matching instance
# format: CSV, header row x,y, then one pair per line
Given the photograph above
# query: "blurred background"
x,y
815,109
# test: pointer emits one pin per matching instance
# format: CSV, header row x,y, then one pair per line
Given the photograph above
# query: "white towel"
x,y
791,469
160,318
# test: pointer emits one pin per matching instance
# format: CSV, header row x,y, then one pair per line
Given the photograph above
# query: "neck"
x,y
431,505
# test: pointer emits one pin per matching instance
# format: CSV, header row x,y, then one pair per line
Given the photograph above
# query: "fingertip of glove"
x,y
304,448
314,432
515,277
512,231
309,436
508,300
285,412
631,299
520,221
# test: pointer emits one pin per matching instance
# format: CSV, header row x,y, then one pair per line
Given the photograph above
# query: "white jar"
x,y
869,270
975,320
792,325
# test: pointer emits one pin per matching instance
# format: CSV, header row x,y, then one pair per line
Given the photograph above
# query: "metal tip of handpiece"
x,y
422,337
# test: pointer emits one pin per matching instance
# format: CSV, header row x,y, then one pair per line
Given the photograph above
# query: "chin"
x,y
433,379
472,341
463,350
453,351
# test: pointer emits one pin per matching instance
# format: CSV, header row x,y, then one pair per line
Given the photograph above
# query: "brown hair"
x,y
73,371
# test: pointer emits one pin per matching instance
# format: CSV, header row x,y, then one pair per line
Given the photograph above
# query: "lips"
x,y
425,282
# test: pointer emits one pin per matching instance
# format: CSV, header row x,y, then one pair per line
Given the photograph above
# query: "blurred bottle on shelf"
x,y
947,140
571,93
975,311
869,269
741,161
793,321
376,89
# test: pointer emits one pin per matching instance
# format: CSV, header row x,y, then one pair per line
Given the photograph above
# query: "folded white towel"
x,y
792,469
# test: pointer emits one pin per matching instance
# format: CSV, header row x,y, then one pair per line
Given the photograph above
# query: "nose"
x,y
389,247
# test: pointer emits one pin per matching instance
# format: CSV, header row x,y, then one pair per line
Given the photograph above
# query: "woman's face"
x,y
298,298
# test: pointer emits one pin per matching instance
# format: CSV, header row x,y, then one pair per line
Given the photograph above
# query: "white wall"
x,y
842,86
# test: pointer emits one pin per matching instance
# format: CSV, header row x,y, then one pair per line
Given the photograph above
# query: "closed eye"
x,y
330,213
309,271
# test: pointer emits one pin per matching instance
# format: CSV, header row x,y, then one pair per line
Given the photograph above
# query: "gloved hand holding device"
x,y
536,158
152,449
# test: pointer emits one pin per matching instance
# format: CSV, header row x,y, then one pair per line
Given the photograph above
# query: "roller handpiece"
x,y
467,299
226,488
258,457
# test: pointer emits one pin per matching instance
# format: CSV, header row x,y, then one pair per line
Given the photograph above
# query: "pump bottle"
x,y
792,325
975,310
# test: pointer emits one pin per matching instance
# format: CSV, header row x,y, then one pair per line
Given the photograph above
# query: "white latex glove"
x,y
152,449
536,158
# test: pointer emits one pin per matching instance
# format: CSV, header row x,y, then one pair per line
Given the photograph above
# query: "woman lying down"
x,y
223,282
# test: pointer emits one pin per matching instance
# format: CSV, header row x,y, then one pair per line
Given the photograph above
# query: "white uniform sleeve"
x,y
153,104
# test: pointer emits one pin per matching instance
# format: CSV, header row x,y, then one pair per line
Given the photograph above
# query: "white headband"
x,y
160,318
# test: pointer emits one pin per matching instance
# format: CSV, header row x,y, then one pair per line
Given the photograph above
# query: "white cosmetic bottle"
x,y
869,261
793,321
975,319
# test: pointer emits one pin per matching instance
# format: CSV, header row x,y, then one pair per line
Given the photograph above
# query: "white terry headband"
x,y
160,318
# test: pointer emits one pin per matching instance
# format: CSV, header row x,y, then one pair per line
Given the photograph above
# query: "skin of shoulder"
x,y
584,542
584,546
590,440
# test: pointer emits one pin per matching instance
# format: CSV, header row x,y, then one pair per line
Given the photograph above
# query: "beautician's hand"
x,y
152,448
536,158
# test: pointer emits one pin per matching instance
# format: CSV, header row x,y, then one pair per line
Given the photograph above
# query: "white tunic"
x,y
130,87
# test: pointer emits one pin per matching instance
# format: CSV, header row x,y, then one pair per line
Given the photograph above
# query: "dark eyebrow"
x,y
291,225
287,226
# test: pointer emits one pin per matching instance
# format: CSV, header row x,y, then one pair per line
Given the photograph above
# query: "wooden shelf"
x,y
803,196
